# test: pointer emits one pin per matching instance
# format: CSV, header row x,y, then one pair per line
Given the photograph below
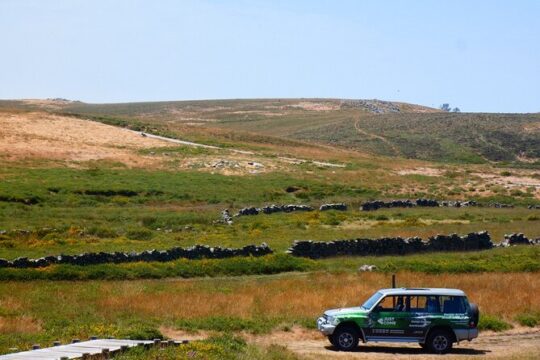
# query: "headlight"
x,y
332,320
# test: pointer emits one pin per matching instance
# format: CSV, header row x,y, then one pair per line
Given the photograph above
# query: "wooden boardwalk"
x,y
91,349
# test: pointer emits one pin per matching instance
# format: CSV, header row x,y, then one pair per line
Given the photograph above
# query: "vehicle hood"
x,y
357,310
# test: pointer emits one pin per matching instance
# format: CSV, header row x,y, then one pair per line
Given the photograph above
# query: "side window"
x,y
425,304
392,303
453,304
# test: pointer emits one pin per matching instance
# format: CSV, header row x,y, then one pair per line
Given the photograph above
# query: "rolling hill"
x,y
368,126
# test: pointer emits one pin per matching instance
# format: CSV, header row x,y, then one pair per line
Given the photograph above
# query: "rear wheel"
x,y
345,338
439,341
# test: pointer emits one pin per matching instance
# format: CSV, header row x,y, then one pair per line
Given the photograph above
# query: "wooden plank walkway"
x,y
89,349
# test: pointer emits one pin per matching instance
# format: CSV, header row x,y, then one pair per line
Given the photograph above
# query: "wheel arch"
x,y
441,327
354,325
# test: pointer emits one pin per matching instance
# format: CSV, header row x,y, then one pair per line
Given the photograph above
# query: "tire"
x,y
345,338
439,341
331,339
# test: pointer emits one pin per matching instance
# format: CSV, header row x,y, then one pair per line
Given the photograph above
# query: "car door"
x,y
388,320
424,310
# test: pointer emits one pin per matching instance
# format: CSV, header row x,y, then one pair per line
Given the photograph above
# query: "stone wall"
x,y
194,252
391,245
270,209
379,204
518,239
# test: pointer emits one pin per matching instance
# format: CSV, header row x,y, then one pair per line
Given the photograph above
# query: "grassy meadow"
x,y
35,313
175,195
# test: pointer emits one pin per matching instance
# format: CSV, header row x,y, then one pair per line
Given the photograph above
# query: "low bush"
x,y
489,322
141,332
530,319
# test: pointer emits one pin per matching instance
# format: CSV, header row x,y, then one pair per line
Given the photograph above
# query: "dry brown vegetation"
x,y
19,324
307,296
51,137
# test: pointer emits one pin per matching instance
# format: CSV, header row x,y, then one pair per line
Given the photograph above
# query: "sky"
x,y
474,54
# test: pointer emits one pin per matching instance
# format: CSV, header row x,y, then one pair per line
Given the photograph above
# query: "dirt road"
x,y
517,344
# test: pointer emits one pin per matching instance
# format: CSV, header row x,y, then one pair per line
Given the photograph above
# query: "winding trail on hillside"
x,y
190,143
361,131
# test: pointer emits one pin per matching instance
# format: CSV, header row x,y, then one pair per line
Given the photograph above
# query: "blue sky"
x,y
478,55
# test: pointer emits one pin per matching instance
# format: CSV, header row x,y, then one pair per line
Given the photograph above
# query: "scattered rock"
x,y
226,217
338,206
366,267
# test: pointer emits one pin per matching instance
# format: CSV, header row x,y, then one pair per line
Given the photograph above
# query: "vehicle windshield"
x,y
372,301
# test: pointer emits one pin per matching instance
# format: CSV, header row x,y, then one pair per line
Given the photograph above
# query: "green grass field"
x,y
56,206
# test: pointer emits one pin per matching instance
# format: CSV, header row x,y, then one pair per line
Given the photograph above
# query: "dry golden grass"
x,y
505,295
19,325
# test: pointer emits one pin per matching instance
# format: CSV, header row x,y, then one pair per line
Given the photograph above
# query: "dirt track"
x,y
521,343
518,343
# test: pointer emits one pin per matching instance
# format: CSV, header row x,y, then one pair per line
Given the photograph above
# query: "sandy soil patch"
x,y
426,171
511,181
313,106
46,136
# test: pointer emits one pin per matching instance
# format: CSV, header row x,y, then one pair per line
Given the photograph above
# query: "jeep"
x,y
434,318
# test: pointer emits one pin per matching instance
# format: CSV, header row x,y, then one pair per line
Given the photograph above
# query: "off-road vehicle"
x,y
434,318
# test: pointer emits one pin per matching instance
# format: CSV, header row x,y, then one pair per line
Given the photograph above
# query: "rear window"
x,y
453,304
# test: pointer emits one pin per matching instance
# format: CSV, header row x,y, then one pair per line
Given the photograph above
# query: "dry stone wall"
x,y
391,245
193,253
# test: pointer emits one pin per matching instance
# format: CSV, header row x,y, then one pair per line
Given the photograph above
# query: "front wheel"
x,y
345,338
331,339
439,341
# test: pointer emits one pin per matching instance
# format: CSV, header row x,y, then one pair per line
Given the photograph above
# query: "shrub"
x,y
489,322
141,332
531,319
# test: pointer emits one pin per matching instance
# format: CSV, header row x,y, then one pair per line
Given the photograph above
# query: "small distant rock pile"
x,y
367,268
192,253
391,245
338,206
518,239
226,217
